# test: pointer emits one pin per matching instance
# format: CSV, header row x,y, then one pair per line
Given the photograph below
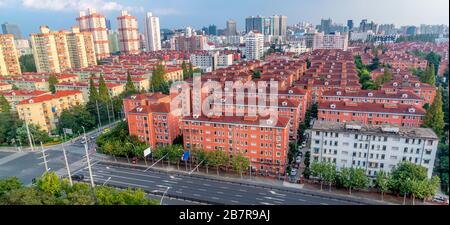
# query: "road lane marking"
x,y
323,203
219,192
215,198
208,185
275,199
234,201
120,182
265,203
224,187
201,189
238,196
242,190
11,157
302,200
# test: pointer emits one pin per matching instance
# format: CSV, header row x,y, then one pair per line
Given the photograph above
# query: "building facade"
x,y
254,46
96,24
128,33
9,58
372,148
152,32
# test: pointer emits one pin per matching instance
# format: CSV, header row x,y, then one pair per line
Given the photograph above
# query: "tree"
x,y
103,93
158,81
240,163
200,155
49,183
52,81
329,174
353,178
9,184
191,71
216,159
80,194
5,107
434,118
175,154
9,122
317,170
382,182
433,59
38,135
403,176
76,118
27,63
185,70
129,87
256,75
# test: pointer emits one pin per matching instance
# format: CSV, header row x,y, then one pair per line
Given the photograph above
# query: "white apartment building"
x,y
254,46
373,148
224,60
152,33
206,61
330,41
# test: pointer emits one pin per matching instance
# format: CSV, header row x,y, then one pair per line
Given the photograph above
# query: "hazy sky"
x,y
57,14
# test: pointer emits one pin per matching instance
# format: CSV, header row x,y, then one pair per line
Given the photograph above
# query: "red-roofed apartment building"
x,y
371,113
265,144
44,110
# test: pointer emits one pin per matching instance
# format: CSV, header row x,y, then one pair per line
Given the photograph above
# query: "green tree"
x,y
353,178
175,153
50,183
76,118
200,156
9,184
318,170
158,81
185,70
217,159
129,87
404,175
80,194
433,59
52,81
329,174
256,75
434,118
27,63
5,107
9,122
382,183
240,163
103,93
191,71
38,135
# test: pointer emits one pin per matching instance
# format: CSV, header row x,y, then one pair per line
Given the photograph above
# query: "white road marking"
x,y
323,203
219,192
120,182
234,201
11,157
215,198
265,203
201,189
224,187
276,199
208,185
302,200
238,196
242,190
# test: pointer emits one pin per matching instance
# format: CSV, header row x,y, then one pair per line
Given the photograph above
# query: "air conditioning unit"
x,y
284,103
291,91
404,95
395,84
326,83
412,110
406,76
417,84
333,106
338,93
139,109
370,94
195,116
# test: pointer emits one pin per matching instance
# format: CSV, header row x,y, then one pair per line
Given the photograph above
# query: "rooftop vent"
x,y
332,106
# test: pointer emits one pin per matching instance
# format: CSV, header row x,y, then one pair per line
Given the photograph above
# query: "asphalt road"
x,y
204,189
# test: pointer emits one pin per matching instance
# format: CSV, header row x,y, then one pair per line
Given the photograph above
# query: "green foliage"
x,y
52,81
434,118
403,175
103,93
158,81
239,163
129,87
217,159
75,118
433,59
51,190
256,75
386,77
27,63
382,182
442,165
38,135
418,37
353,178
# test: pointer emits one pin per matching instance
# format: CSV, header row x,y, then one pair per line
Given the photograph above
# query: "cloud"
x,y
165,11
64,5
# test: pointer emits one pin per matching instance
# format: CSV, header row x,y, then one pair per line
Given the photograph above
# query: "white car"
x,y
293,172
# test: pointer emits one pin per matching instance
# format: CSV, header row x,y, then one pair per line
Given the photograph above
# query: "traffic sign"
x,y
147,152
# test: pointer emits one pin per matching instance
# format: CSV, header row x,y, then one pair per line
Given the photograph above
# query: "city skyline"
x,y
179,14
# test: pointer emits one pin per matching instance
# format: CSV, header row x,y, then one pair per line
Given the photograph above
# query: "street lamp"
x,y
160,202
109,178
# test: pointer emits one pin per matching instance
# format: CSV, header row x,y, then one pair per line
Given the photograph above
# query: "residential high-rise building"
x,y
184,43
325,25
96,24
9,59
55,52
212,29
231,28
108,24
254,24
113,41
279,25
274,25
152,33
128,33
254,44
9,28
81,48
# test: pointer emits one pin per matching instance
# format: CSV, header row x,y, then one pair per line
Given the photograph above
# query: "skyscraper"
x,y
152,32
350,24
325,25
108,24
9,28
212,29
254,44
128,33
254,24
231,28
96,24
274,25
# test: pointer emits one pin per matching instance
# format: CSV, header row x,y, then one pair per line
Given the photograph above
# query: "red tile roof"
x,y
48,97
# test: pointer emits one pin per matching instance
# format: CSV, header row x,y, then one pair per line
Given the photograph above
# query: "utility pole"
x,y
44,157
87,158
65,159
98,114
28,134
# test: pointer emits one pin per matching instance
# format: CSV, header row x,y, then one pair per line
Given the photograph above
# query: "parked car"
x,y
78,177
293,172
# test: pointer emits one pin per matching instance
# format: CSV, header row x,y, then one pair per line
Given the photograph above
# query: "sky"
x,y
59,14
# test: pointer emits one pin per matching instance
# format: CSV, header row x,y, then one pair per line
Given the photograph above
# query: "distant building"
x,y
96,24
254,46
350,24
128,33
9,58
206,61
152,33
113,41
188,43
231,28
273,26
9,28
330,41
23,47
372,148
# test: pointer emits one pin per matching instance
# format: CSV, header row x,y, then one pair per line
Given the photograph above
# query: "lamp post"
x,y
160,202
87,158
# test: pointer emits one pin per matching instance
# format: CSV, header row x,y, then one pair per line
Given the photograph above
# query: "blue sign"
x,y
185,156
53,109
